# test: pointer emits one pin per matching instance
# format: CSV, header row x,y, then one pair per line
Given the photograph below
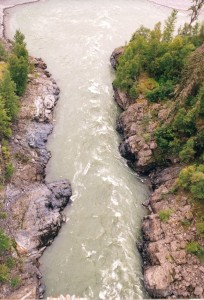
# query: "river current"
x,y
95,253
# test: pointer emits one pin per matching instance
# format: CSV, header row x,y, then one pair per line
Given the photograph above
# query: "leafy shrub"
x,y
200,98
164,136
158,53
199,144
196,249
3,215
15,282
10,262
160,93
200,228
185,122
4,273
191,178
9,171
188,152
4,242
5,149
164,215
186,222
5,130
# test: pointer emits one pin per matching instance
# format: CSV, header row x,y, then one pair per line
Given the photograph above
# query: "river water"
x,y
95,253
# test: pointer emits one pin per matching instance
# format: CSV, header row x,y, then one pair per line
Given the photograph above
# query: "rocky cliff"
x,y
34,207
169,269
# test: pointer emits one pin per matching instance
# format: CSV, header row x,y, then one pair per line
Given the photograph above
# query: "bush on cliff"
x,y
186,119
4,242
158,53
191,179
5,130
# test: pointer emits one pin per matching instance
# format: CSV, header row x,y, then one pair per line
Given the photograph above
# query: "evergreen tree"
x,y
19,63
19,38
8,93
5,130
20,51
3,54
19,68
169,26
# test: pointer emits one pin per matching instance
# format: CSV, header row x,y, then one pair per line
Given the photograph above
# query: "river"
x,y
95,253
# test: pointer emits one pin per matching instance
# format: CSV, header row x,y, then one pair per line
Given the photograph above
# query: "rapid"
x,y
95,254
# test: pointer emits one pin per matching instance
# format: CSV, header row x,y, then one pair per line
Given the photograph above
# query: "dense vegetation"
x,y
169,69
14,68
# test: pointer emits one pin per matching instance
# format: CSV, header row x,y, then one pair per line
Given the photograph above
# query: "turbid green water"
x,y
95,253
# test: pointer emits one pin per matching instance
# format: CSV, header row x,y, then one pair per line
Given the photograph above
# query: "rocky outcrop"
x,y
34,207
169,270
115,56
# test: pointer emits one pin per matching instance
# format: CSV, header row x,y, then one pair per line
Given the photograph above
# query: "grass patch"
x,y
185,223
9,170
15,282
196,249
4,273
164,215
200,228
5,242
3,215
10,262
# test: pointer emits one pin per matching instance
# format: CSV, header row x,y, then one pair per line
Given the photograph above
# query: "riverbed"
x,y
95,253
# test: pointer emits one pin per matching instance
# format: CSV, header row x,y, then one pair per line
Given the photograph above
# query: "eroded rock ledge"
x,y
169,271
34,207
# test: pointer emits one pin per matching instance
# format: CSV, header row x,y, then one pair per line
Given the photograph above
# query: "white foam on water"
x,y
94,88
104,24
87,168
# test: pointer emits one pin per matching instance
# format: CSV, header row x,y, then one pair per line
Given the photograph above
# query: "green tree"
x,y
170,26
3,54
19,63
19,68
19,38
5,130
8,93
20,51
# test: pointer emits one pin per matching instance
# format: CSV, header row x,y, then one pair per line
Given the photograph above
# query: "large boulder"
x,y
158,279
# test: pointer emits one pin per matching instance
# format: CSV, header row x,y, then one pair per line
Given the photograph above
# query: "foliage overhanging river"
x,y
95,253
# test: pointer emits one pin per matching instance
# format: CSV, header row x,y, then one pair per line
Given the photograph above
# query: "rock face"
x,y
115,55
34,207
42,218
169,270
122,99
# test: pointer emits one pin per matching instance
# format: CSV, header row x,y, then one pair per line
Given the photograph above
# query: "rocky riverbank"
x,y
169,270
33,207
